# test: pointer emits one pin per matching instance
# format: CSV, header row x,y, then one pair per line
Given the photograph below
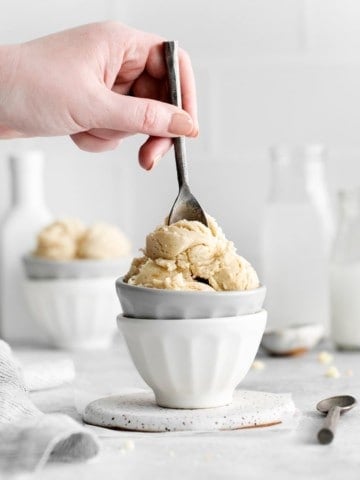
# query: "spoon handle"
x,y
327,432
172,65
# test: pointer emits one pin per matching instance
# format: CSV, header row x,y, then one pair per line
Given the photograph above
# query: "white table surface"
x,y
288,451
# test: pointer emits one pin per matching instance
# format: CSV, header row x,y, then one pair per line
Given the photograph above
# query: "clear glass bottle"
x,y
345,273
26,216
296,239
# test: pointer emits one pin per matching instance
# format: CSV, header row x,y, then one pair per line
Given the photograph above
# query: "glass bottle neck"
x,y
297,176
27,179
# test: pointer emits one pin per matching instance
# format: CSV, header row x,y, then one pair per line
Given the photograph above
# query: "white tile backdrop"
x,y
267,71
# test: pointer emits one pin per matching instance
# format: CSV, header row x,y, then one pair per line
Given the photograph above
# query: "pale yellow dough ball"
x,y
102,241
59,240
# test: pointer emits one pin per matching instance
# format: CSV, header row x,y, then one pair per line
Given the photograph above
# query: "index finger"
x,y
156,67
188,87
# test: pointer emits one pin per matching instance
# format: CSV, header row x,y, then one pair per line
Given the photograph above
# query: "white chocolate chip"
x,y
332,372
325,358
127,446
208,457
258,365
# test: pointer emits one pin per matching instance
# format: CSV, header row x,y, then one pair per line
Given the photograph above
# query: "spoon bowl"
x,y
345,402
186,207
332,407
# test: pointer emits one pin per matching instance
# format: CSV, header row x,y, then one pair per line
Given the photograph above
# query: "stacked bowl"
x,y
191,348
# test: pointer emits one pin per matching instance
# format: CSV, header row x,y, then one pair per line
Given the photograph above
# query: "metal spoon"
x,y
186,207
332,407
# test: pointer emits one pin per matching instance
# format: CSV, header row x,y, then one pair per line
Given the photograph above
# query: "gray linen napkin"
x,y
28,437
45,369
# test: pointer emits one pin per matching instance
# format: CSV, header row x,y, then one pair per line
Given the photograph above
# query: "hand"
x,y
98,83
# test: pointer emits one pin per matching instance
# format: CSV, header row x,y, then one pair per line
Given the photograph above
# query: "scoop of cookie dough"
x,y
102,241
59,240
187,255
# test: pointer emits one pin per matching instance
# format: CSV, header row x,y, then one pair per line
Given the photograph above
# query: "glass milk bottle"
x,y
26,216
297,234
345,274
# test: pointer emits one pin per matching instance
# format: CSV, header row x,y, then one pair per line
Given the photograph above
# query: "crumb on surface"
x,y
258,365
208,457
325,357
127,446
332,372
349,372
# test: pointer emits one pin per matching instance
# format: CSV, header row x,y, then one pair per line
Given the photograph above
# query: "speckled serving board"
x,y
139,412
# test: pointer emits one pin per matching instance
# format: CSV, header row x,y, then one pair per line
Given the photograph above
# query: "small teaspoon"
x,y
186,207
332,407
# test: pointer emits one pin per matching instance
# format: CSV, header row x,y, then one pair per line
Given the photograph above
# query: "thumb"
x,y
143,115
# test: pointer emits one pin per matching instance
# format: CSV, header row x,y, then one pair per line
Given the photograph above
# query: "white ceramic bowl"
x,y
193,363
74,313
143,302
43,268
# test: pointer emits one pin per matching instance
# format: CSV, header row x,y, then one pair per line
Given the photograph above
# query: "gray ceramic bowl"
x,y
142,302
41,268
292,340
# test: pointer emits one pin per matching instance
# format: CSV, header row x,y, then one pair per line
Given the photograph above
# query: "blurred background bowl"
x,y
73,302
74,313
42,268
293,340
142,302
193,363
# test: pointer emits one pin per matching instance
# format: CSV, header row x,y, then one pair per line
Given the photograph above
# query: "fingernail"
x,y
154,162
181,124
195,132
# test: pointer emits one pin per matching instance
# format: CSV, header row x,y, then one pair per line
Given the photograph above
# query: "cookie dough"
x,y
187,255
103,241
59,241
70,239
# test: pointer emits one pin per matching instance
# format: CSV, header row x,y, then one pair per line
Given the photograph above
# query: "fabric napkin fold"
x,y
45,369
28,437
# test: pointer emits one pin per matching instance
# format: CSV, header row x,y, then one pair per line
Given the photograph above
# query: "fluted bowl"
x,y
193,363
74,313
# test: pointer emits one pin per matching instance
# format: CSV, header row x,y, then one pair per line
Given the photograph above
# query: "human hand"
x,y
98,83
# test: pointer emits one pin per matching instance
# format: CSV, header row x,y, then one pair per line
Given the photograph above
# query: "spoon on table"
x,y
332,407
186,207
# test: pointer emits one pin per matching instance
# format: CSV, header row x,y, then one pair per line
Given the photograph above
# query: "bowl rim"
x,y
159,291
31,258
295,329
236,318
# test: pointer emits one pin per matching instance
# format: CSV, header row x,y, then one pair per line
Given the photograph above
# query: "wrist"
x,y
9,58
